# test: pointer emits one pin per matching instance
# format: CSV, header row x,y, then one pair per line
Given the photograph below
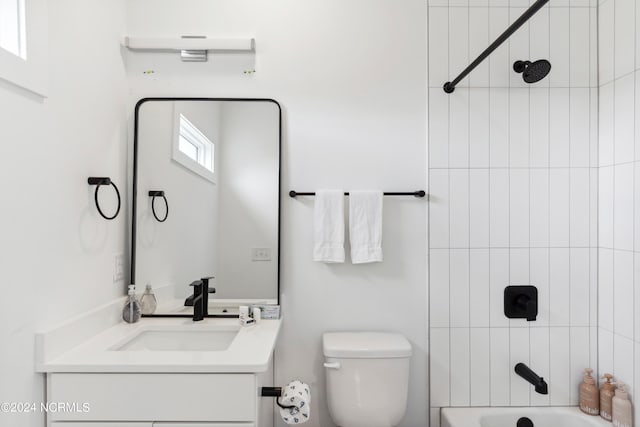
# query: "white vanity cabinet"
x,y
161,399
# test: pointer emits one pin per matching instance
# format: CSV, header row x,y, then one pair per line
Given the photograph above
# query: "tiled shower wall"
x,y
513,174
619,195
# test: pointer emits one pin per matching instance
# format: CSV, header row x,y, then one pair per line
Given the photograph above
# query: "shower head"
x,y
532,72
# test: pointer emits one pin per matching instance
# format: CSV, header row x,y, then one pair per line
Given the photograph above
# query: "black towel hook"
x,y
98,181
153,194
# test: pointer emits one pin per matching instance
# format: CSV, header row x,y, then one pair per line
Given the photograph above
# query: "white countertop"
x,y
250,351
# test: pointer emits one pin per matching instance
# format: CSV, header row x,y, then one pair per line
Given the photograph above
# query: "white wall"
x,y
513,201
619,194
57,253
351,79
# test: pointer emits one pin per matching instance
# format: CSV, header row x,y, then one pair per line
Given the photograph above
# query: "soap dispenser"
x,y
607,390
131,311
148,301
589,394
621,407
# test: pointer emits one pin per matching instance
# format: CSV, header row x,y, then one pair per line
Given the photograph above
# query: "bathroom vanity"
x,y
162,372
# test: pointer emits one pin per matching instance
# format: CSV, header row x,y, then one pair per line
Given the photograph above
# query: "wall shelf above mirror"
x,y
218,161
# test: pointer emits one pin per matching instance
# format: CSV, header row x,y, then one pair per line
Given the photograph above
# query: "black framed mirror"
x,y
206,200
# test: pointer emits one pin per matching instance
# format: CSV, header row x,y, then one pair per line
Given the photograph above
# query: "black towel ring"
x,y
98,181
153,195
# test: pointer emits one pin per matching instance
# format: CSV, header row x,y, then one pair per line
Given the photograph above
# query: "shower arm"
x,y
449,87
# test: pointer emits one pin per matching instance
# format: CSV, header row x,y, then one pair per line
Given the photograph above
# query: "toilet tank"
x,y
367,377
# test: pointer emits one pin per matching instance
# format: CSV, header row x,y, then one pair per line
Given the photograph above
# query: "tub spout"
x,y
538,382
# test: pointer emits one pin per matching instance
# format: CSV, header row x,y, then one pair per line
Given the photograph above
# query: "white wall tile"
x,y
580,110
459,128
539,45
579,214
636,196
559,126
624,90
438,128
460,375
499,127
499,59
606,125
478,42
519,353
518,270
480,366
439,208
519,127
623,207
623,363
605,207
435,417
439,288
459,208
499,279
438,48
637,110
539,362
579,308
479,127
539,206
459,287
439,372
539,130
560,366
479,287
519,208
593,285
539,267
606,41
593,46
579,347
636,290
579,47
595,128
593,207
624,36
623,293
605,352
605,289
636,370
500,367
559,287
499,207
458,42
559,207
559,58
518,43
479,208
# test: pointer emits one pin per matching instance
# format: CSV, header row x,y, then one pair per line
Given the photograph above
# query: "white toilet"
x,y
367,377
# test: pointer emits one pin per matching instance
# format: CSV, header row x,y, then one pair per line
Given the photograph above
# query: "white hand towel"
x,y
328,223
296,394
365,226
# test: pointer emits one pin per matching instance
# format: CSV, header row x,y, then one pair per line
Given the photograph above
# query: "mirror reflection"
x,y
206,185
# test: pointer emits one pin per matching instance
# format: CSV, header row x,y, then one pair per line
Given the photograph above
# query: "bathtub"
x,y
569,416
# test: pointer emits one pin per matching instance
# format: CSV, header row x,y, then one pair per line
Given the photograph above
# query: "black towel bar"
x,y
418,193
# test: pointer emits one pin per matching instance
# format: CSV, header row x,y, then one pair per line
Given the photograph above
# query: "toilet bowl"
x,y
367,377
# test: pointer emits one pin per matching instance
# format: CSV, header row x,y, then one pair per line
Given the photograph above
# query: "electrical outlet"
x,y
118,267
261,254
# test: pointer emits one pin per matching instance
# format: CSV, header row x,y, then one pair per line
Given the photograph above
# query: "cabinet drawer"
x,y
155,397
63,424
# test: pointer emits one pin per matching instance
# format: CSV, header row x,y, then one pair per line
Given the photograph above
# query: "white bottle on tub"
x,y
621,407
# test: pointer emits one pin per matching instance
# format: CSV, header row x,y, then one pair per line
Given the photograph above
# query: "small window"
x,y
192,148
12,27
195,145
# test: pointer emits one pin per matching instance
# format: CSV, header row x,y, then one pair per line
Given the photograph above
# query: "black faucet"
x,y
526,373
200,298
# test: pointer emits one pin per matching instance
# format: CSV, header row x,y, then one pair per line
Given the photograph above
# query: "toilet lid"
x,y
365,345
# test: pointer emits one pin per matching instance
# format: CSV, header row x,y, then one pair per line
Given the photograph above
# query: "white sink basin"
x,y
182,339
